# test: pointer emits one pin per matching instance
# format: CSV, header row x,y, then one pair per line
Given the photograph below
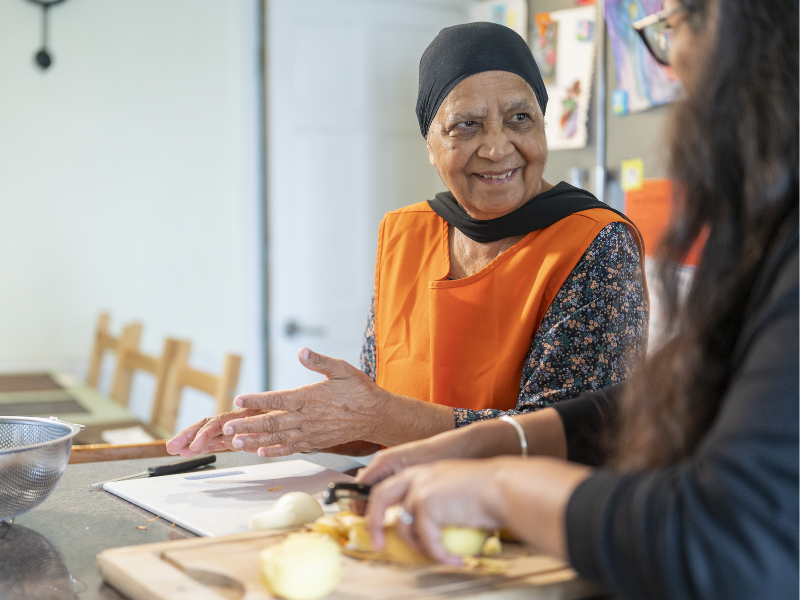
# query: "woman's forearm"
x,y
406,419
403,419
544,433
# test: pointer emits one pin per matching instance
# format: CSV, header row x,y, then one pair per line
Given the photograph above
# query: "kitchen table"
x,y
64,396
50,552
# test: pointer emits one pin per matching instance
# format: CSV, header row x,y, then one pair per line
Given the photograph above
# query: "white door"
x,y
343,148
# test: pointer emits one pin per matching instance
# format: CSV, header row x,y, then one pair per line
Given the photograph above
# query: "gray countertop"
x,y
49,553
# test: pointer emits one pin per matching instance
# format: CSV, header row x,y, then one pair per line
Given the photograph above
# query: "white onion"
x,y
291,510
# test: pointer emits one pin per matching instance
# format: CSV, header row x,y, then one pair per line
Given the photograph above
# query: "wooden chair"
x,y
104,341
222,387
130,359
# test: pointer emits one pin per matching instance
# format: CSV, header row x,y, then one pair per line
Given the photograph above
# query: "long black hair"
x,y
734,161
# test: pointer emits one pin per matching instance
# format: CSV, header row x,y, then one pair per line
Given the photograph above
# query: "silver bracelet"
x,y
310,452
523,440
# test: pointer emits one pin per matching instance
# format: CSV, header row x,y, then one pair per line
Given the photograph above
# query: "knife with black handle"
x,y
177,467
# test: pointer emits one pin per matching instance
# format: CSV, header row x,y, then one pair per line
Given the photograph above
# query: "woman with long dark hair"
x,y
683,481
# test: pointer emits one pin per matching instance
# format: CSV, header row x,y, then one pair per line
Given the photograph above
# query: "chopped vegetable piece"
x,y
463,541
305,566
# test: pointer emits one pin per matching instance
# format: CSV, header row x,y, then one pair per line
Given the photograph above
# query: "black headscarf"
x,y
541,211
464,50
455,54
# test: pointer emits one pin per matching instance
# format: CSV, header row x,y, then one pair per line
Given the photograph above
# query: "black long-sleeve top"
x,y
722,524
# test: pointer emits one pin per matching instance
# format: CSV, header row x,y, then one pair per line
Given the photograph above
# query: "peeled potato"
x,y
305,566
397,550
292,509
331,526
463,541
492,546
358,537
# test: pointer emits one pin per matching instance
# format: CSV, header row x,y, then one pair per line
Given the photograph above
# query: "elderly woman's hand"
x,y
334,415
345,407
206,436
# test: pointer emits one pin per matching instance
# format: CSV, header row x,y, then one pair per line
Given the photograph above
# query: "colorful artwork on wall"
x,y
511,13
545,46
563,44
645,82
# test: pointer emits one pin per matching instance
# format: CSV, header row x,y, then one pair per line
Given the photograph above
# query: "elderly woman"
x,y
698,497
501,296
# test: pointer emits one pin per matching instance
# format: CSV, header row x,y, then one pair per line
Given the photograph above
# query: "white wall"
x,y
130,180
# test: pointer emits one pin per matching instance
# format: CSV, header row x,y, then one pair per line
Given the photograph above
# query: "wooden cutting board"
x,y
227,568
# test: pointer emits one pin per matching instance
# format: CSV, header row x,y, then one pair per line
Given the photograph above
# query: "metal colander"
x,y
33,455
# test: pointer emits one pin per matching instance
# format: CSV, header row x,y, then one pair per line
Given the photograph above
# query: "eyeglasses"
x,y
656,32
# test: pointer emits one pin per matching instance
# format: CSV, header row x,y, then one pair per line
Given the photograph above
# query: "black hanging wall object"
x,y
43,58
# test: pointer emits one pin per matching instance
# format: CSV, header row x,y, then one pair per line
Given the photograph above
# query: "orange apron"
x,y
463,343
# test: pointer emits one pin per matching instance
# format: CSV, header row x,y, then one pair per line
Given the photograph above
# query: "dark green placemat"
x,y
28,382
42,407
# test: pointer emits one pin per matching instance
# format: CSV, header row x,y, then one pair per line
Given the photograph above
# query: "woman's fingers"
x,y
211,429
436,496
182,439
284,450
382,467
394,460
271,429
332,368
284,400
428,533
387,493
264,423
195,438
251,442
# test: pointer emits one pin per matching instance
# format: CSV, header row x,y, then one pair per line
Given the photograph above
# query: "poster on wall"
x,y
563,44
642,82
511,13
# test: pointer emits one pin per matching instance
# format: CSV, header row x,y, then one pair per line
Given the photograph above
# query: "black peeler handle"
x,y
338,491
181,466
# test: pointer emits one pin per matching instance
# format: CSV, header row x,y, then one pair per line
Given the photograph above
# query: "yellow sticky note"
x,y
632,174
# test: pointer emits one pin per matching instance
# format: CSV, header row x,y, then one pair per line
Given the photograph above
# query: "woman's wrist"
x,y
490,439
530,498
398,419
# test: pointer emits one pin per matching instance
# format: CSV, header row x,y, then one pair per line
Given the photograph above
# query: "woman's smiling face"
x,y
488,144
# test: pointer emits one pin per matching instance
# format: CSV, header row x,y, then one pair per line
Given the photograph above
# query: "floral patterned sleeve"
x,y
368,346
592,334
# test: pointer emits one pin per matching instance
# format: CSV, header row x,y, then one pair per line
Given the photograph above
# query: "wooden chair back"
x,y
181,375
104,342
130,359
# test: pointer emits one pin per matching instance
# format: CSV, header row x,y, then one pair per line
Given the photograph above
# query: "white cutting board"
x,y
220,502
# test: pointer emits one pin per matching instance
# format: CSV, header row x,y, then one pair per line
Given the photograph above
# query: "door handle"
x,y
294,328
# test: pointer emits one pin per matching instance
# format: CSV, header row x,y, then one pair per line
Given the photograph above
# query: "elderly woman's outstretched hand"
x,y
207,436
345,407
